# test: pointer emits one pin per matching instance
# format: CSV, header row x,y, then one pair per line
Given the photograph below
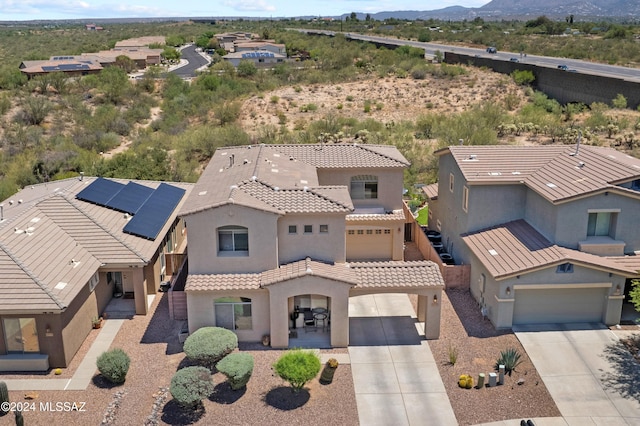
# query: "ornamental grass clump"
x,y
208,345
237,367
114,365
297,367
190,385
510,358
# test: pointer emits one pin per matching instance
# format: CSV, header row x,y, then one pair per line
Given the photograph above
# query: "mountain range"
x,y
621,10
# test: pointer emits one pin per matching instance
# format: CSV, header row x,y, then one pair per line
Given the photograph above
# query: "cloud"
x,y
250,5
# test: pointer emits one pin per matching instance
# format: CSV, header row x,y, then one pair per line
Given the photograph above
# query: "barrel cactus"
x,y
4,397
465,381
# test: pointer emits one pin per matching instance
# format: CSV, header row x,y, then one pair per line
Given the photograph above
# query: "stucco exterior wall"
x,y
203,240
390,184
201,312
327,247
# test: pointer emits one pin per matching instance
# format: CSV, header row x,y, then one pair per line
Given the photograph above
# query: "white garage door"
x,y
536,306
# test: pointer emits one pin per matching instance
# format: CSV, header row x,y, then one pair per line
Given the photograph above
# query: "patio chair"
x,y
309,321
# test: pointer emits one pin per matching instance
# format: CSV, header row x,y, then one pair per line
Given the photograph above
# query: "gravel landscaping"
x,y
156,354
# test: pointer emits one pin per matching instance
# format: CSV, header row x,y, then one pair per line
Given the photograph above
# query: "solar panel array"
x,y
65,67
154,213
258,55
62,58
149,207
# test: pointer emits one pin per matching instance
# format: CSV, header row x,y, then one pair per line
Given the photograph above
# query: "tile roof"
x,y
391,274
46,221
516,248
249,176
395,215
431,191
557,172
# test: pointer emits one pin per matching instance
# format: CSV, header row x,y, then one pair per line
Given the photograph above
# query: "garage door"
x,y
369,244
536,306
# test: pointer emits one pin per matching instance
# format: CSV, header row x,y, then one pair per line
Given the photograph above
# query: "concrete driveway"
x,y
592,379
396,379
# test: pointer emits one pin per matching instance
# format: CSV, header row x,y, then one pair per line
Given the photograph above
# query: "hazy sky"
x,y
11,10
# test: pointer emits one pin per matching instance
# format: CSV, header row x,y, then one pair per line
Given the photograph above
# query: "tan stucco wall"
x,y
328,247
390,184
201,311
203,240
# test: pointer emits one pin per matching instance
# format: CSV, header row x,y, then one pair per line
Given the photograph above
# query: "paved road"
x,y
632,74
195,60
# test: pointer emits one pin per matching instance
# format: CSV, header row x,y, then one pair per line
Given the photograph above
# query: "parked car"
x,y
514,59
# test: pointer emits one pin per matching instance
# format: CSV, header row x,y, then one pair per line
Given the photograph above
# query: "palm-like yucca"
x,y
510,358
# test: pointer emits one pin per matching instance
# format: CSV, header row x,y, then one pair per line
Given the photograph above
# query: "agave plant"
x,y
510,358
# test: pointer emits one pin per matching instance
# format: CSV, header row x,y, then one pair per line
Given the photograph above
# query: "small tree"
x,y
634,294
208,345
246,68
114,365
238,368
190,385
297,367
619,101
523,77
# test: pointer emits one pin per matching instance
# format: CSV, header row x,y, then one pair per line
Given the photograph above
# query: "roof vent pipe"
x,y
1,212
577,144
231,160
81,176
460,142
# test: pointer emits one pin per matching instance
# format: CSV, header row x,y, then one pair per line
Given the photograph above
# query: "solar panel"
x,y
153,214
130,198
100,191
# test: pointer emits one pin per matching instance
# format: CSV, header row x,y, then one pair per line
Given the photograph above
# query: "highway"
x,y
625,73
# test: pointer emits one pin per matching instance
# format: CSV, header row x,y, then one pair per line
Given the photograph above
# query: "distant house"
x,y
71,66
551,232
67,248
278,233
93,27
252,46
260,58
139,42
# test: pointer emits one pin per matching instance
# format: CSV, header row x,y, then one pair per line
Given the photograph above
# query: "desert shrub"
x,y
453,354
208,345
238,368
114,365
523,77
510,358
297,367
4,398
190,385
619,101
419,73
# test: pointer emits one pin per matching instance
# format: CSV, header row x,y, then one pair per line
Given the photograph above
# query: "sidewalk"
x,y
395,376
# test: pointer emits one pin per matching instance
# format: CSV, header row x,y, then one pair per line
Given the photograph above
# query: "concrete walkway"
x,y
395,376
590,381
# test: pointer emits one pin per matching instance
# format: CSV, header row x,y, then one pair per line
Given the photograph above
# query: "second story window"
x,y
451,182
233,239
364,187
308,229
324,229
293,229
601,224
465,198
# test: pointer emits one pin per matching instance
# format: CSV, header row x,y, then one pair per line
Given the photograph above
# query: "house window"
x,y
565,268
387,231
293,229
233,239
308,229
324,229
369,231
351,232
601,224
451,181
364,187
233,313
93,282
465,198
21,335
360,232
378,231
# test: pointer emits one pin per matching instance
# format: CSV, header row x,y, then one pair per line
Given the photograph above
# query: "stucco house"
x,y
67,248
550,232
280,229
260,58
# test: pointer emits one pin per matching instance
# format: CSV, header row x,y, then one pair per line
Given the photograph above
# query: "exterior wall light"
x,y
435,299
508,291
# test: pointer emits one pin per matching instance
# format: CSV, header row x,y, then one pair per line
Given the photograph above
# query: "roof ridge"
x,y
31,275
362,146
99,225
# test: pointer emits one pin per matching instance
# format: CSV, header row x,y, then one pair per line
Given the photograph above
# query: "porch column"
x,y
340,320
279,320
433,308
422,307
139,290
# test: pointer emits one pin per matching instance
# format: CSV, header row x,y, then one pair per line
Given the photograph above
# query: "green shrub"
x,y
510,358
297,367
453,355
619,102
238,368
190,385
208,345
114,365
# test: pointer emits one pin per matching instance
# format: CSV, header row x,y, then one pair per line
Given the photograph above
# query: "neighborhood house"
x,y
280,236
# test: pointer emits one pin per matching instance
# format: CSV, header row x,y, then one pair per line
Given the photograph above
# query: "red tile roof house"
x,y
280,229
551,232
67,248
